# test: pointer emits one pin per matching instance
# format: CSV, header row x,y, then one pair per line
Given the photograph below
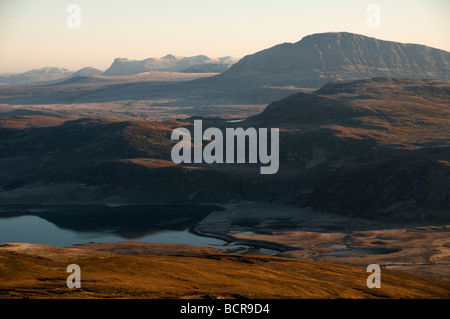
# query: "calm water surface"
x,y
67,225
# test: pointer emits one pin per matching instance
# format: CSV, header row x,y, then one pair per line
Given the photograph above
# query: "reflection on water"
x,y
67,225
336,246
236,121
345,250
366,251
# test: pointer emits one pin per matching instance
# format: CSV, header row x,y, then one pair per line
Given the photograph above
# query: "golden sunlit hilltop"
x,y
37,271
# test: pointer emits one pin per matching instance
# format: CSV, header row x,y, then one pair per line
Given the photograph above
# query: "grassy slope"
x,y
38,271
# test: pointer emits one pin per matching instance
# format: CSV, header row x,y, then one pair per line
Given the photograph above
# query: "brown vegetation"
x,y
37,271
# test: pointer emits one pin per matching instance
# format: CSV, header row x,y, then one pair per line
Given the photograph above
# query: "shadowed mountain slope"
x,y
375,148
320,58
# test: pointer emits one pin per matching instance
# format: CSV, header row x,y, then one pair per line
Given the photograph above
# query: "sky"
x,y
34,33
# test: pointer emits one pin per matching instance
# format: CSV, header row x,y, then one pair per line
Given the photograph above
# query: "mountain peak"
x,y
169,63
334,35
333,56
169,57
44,74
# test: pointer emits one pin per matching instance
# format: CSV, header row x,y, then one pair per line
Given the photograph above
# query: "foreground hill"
x,y
38,271
374,148
398,112
320,58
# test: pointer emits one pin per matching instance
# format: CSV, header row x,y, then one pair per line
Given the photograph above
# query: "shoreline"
x,y
307,235
255,228
254,244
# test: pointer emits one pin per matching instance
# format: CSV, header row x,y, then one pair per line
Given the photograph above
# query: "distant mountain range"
x,y
197,64
321,58
309,63
257,79
36,75
123,67
47,75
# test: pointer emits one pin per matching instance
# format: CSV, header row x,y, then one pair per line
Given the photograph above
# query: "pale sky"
x,y
34,33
